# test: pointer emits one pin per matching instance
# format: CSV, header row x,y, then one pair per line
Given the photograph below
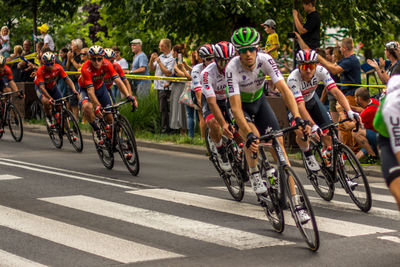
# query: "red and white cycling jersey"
x,y
304,91
196,77
95,77
213,83
6,73
49,78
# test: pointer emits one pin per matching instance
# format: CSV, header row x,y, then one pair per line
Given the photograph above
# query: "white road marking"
x,y
378,185
8,259
337,227
4,177
96,243
390,238
206,232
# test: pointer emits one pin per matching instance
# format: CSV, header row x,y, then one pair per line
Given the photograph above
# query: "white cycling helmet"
x,y
224,50
96,50
206,51
109,53
48,57
306,56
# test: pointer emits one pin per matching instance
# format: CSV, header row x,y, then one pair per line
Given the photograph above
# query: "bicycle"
x,y
64,124
343,167
234,179
117,136
10,116
275,200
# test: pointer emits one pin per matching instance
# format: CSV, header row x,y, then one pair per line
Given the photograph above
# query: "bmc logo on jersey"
x,y
230,82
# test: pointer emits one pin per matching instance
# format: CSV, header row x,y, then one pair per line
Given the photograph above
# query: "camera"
x,y
291,35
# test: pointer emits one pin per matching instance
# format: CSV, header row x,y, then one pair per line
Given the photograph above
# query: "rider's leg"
x,y
215,131
252,163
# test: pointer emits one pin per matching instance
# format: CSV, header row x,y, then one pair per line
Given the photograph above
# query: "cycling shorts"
x,y
111,93
261,114
390,165
207,114
101,93
3,84
55,93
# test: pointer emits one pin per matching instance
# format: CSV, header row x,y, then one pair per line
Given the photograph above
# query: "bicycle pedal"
x,y
128,156
74,138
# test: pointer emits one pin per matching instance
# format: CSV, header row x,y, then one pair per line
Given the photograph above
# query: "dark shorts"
x,y
111,94
102,95
261,114
390,166
207,114
54,92
372,140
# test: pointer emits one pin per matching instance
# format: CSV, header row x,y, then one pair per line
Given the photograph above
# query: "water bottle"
x,y
58,118
326,156
108,130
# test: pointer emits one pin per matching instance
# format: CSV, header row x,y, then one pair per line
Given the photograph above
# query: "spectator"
x,y
84,55
5,42
16,72
178,115
61,84
190,111
28,68
163,66
271,48
120,60
310,31
74,63
366,136
47,40
392,53
27,45
140,66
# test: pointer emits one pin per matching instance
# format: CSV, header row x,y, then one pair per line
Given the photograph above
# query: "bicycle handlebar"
x,y
11,93
62,99
332,125
115,106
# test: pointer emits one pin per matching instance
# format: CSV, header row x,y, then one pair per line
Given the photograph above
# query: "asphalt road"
x,y
62,208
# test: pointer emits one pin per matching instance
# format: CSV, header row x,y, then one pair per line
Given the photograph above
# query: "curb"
x,y
371,171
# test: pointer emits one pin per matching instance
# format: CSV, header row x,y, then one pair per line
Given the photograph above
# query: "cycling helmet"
x,y
109,53
2,60
270,22
48,57
96,50
206,51
245,37
224,50
306,56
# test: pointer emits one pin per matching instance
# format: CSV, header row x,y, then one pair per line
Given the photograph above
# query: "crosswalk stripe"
x,y
342,206
390,238
9,259
337,227
378,185
9,177
96,243
207,232
342,192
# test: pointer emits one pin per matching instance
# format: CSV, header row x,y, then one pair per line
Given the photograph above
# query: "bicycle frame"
x,y
5,101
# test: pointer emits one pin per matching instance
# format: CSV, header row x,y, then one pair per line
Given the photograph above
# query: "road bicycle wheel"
x,y
55,134
350,170
308,229
15,123
36,109
104,151
234,180
212,152
127,147
72,131
321,180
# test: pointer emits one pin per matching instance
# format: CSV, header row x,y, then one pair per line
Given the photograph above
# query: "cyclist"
x,y
110,55
6,78
390,146
94,93
214,100
303,82
46,83
246,77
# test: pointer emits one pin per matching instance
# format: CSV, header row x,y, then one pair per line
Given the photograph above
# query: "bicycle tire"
x,y
127,147
72,131
234,182
271,203
37,111
211,149
15,123
104,152
321,180
364,202
309,229
55,134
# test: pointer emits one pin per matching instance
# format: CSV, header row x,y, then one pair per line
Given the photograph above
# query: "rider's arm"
x,y
44,91
288,97
122,87
92,96
13,86
236,106
128,86
70,84
212,102
304,113
340,98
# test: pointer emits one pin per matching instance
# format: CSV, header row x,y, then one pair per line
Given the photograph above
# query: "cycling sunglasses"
x,y
245,49
98,59
208,59
310,66
49,63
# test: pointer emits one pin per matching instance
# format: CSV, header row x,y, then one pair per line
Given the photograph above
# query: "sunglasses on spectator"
x,y
49,63
310,66
98,59
208,59
84,54
245,49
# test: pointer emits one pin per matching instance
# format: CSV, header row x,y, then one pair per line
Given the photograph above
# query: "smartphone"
x,y
291,35
179,57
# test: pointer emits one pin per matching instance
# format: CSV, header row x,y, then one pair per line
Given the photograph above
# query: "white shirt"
x,y
304,91
195,85
168,61
49,41
250,81
123,63
213,83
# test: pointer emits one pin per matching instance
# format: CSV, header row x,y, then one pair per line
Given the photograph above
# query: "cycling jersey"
x,y
196,77
108,78
250,83
91,76
213,83
49,78
391,112
6,73
304,91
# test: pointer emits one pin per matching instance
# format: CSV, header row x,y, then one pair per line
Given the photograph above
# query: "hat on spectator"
x,y
44,28
269,22
136,41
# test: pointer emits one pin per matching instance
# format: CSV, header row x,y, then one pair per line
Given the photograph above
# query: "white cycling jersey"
x,y
213,82
196,77
249,84
304,91
391,112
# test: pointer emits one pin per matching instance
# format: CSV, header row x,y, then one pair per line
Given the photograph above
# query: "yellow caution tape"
x,y
29,56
